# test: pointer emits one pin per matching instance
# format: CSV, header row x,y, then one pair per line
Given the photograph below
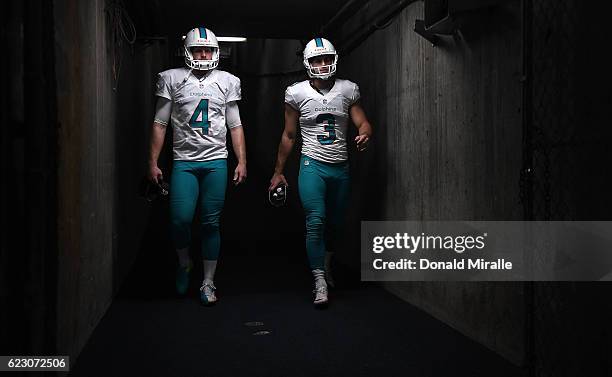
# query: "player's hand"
x,y
276,180
362,142
155,174
240,174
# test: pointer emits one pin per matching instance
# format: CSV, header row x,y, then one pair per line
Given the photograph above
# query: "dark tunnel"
x,y
482,110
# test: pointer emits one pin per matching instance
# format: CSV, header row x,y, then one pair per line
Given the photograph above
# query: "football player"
x,y
199,102
322,106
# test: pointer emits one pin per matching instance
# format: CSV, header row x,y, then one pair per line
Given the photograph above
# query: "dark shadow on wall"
x,y
137,67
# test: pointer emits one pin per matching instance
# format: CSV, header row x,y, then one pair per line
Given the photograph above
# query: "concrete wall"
x,y
135,107
4,148
105,111
73,152
447,123
86,171
12,214
28,248
572,332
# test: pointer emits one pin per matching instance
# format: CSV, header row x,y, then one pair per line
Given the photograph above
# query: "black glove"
x,y
151,190
278,196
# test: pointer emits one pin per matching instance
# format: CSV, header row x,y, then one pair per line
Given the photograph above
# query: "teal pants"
x,y
324,192
194,181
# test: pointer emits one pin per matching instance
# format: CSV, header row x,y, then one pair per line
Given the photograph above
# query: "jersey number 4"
x,y
330,128
203,123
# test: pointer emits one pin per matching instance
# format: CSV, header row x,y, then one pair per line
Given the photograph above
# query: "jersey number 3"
x,y
203,123
330,127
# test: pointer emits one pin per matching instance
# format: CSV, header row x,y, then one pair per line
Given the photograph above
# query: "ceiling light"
x,y
231,39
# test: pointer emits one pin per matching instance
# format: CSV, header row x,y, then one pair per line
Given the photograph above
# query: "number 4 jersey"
x,y
323,118
198,111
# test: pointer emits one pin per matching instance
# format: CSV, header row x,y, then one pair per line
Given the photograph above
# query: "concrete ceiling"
x,y
255,19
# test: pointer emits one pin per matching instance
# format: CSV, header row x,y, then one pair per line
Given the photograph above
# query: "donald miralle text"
x,y
433,252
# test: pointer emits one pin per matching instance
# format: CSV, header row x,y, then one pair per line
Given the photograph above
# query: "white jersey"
x,y
198,111
323,118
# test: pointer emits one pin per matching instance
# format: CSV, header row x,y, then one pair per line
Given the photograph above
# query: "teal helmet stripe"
x,y
318,42
202,32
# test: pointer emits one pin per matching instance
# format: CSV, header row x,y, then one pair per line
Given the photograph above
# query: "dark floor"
x,y
365,331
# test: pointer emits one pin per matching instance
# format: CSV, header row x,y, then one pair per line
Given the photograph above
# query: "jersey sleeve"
x,y
290,99
163,109
234,91
355,95
163,88
232,115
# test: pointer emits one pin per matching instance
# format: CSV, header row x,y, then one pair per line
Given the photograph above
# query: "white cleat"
x,y
207,294
320,292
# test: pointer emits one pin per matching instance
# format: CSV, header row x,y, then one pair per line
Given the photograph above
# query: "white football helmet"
x,y
317,47
201,36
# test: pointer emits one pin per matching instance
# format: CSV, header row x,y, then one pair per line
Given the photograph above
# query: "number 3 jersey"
x,y
323,118
198,111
